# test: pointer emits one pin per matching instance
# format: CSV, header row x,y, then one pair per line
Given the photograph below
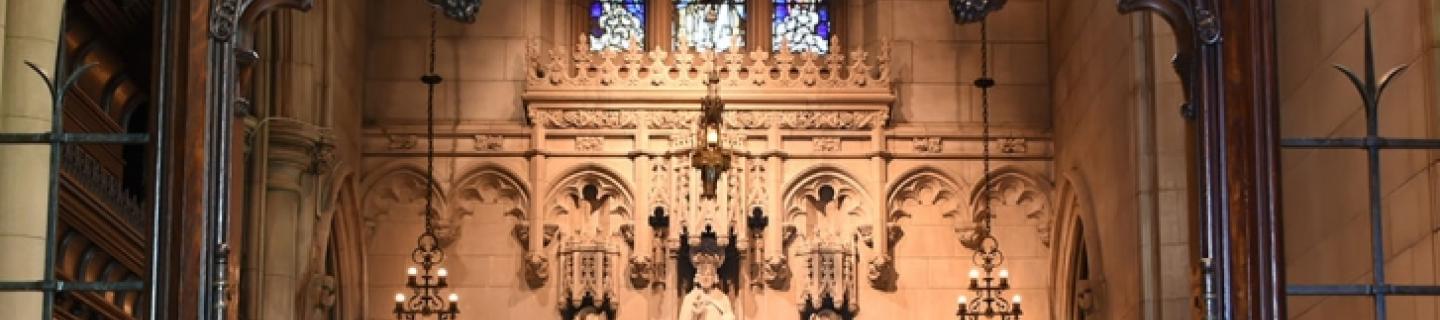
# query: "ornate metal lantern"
x,y
709,156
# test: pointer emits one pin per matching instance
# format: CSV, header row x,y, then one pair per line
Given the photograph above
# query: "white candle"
x,y
974,273
454,297
1004,274
712,137
442,272
399,297
412,271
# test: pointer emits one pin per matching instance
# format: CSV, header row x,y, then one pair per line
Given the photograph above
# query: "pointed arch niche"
x,y
1019,200
826,225
1077,281
928,204
589,225
395,197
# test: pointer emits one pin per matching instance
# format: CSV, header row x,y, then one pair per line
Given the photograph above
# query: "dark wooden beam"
x,y
1226,59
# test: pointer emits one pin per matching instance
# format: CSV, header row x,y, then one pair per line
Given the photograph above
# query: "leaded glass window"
x,y
614,24
804,25
710,24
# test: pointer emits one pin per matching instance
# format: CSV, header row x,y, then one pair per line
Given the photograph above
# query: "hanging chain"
x,y
985,82
431,79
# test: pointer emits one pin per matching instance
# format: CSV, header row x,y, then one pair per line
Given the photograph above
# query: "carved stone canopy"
x,y
825,205
589,205
1012,194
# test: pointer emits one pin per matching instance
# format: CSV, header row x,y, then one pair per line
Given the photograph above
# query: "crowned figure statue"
x,y
706,301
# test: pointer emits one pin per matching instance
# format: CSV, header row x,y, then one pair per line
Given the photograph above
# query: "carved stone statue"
x,y
706,301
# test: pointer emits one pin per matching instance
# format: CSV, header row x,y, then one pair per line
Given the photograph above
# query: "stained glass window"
x,y
710,25
613,23
804,25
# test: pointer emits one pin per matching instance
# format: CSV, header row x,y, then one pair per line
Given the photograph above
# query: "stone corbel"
x,y
789,233
882,267
536,263
776,265
642,270
320,296
536,269
322,160
1085,299
777,270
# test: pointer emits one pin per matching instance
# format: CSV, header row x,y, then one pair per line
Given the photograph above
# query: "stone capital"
x,y
292,146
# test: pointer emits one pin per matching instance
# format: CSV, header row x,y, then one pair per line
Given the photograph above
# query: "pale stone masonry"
x,y
31,29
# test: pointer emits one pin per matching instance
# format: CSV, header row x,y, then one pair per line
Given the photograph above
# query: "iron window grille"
x,y
1370,90
58,84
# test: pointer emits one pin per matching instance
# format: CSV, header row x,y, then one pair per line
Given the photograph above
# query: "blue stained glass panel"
x,y
710,25
614,24
803,25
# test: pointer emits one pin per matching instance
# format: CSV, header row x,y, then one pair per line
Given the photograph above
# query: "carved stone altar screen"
x,y
805,223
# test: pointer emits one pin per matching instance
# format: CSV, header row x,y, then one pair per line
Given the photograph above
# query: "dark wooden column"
x,y
201,40
186,44
1226,54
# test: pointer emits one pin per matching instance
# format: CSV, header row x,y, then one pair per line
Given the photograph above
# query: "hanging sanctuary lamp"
x,y
708,155
989,281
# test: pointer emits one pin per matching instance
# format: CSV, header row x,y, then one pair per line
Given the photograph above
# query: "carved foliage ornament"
x,y
397,192
486,191
402,141
677,119
589,143
1014,145
1011,194
928,145
826,144
489,142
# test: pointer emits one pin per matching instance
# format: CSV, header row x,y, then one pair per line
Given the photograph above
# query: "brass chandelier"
x,y
989,281
426,279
